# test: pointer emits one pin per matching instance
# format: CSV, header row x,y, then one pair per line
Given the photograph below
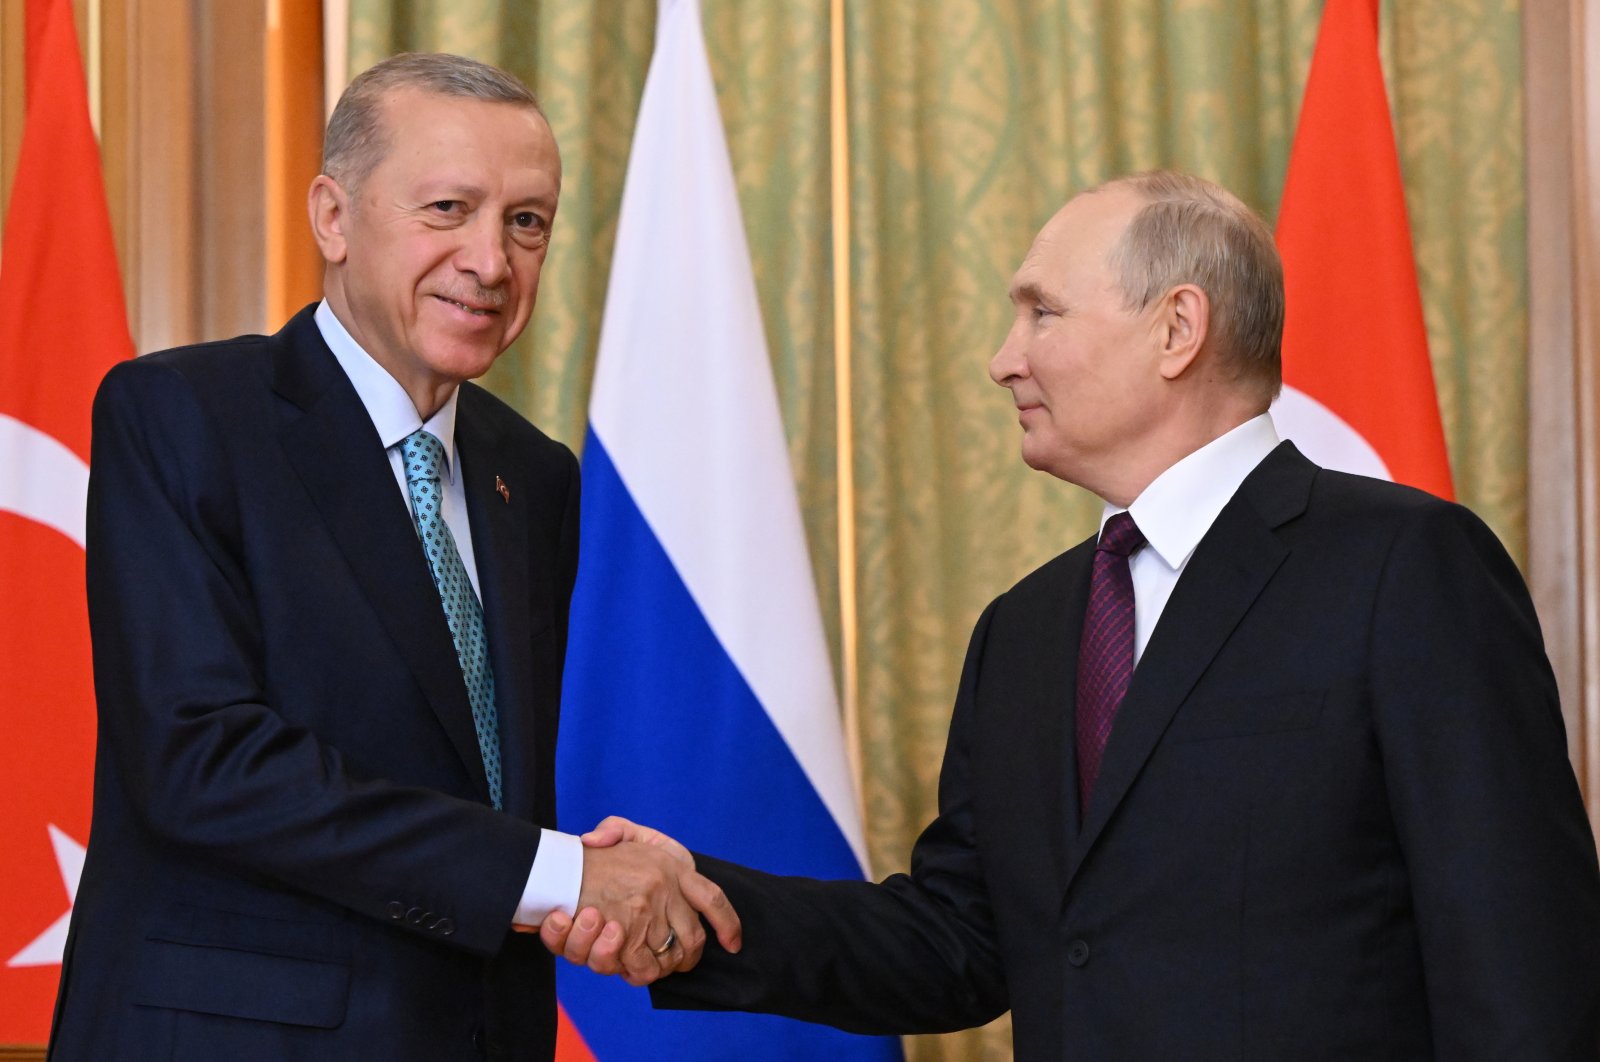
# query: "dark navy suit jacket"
x,y
1335,819
292,855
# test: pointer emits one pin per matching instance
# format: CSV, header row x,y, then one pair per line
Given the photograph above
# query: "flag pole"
x,y
844,449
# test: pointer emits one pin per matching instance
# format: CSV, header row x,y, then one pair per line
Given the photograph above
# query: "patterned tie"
x,y
424,460
1105,655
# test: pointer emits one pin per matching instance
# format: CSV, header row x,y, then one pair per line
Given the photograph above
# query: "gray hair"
x,y
356,140
1191,231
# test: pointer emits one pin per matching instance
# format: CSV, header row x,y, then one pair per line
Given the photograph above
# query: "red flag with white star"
x,y
62,326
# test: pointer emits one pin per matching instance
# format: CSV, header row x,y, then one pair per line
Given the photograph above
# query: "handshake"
x,y
640,907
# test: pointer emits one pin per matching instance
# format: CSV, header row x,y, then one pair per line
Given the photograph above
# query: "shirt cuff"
x,y
556,880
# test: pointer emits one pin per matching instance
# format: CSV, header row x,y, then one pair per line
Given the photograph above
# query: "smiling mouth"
x,y
475,311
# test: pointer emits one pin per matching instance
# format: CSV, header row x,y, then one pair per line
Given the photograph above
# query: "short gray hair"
x,y
356,140
1191,231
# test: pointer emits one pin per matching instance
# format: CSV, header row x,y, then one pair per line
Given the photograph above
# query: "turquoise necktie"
x,y
424,460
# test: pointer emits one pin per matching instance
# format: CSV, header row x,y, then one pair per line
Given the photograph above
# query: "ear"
x,y
329,206
1184,323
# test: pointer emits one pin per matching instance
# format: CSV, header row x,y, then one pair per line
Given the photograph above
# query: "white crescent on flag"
x,y
44,481
1324,437
48,484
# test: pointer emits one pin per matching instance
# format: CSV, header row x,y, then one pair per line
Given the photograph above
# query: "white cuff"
x,y
556,880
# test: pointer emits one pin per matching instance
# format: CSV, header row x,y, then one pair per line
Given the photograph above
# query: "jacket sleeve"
x,y
187,721
915,953
1498,851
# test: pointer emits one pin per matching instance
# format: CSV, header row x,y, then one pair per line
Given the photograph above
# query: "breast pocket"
x,y
242,966
1246,716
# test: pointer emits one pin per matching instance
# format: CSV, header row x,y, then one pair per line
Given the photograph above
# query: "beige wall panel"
x,y
1551,499
1562,42
160,174
229,108
182,143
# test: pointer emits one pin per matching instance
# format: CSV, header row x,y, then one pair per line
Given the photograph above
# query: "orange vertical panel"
x,y
294,102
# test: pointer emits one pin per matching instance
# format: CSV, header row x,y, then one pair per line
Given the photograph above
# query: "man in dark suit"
x,y
1273,768
328,587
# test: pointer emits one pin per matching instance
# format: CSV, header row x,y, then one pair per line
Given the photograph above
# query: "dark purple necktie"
x,y
1105,656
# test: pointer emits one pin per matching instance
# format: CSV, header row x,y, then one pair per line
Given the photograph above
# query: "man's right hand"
x,y
638,884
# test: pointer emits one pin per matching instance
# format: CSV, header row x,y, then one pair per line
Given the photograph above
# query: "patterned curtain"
x,y
970,122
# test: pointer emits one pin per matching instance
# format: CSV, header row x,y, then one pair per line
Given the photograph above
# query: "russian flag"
x,y
699,697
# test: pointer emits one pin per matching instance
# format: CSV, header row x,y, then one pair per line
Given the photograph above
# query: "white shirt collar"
x,y
386,402
1177,509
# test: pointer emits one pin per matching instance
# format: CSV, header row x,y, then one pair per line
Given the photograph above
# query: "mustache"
x,y
477,295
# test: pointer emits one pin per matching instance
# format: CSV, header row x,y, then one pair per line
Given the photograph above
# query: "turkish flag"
x,y
1358,385
62,326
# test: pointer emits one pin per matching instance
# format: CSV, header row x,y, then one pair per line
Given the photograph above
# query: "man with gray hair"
x,y
328,586
1271,768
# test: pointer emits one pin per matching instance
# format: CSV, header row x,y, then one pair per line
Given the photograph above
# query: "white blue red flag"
x,y
699,697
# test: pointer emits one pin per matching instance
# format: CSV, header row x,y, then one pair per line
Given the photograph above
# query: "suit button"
x,y
445,926
1078,952
397,910
416,915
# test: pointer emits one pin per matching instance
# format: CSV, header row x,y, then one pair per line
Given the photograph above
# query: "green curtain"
x,y
970,122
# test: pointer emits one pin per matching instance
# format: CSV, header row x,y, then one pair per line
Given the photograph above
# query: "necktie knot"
x,y
424,456
1120,536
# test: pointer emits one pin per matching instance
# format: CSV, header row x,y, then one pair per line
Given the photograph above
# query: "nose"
x,y
1008,363
483,251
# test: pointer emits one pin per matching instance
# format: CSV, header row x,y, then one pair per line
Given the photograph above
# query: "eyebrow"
x,y
448,186
1027,292
441,189
537,201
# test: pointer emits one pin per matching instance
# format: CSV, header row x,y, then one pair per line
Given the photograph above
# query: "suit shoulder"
x,y
204,367
1361,500
1375,522
216,357
1364,493
478,402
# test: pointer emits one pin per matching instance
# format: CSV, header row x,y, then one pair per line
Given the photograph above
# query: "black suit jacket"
x,y
292,855
1335,819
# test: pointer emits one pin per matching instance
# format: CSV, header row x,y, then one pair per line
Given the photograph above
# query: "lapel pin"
x,y
503,490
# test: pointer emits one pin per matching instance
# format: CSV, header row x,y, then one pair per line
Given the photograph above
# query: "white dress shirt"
x,y
1177,509
556,878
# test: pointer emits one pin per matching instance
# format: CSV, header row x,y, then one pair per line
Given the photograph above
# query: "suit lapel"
x,y
1063,629
331,444
1233,563
500,529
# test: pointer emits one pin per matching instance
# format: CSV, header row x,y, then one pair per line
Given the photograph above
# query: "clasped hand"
x,y
640,893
